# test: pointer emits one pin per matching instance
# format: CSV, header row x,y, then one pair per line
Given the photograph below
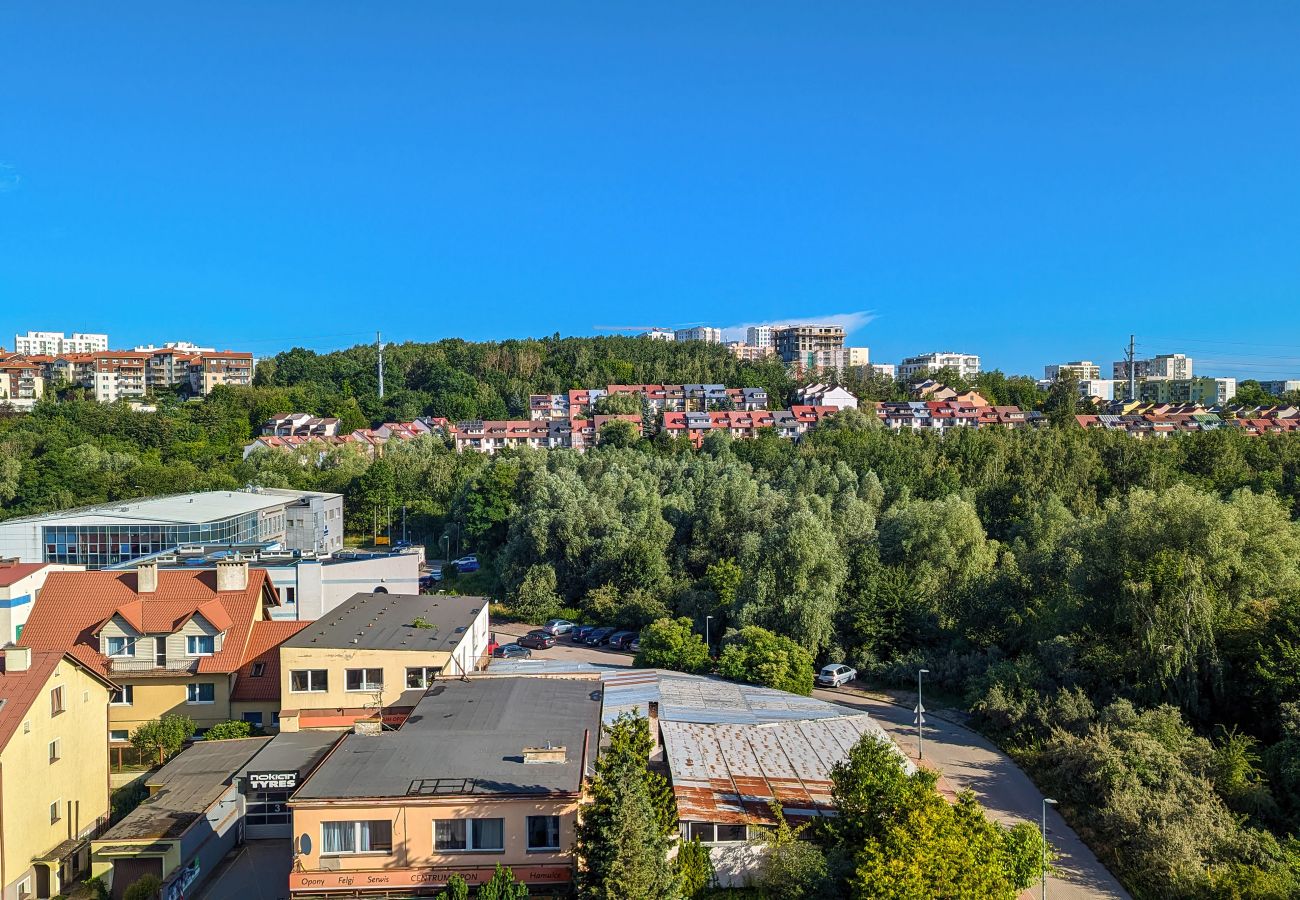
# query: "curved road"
x,y
968,760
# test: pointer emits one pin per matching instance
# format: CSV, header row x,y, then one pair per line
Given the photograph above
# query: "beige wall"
x,y
393,662
413,832
78,781
177,643
154,696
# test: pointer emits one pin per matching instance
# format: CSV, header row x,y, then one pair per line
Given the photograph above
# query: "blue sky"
x,y
1030,181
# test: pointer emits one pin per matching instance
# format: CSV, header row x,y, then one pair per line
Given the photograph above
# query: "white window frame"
x,y
128,696
367,687
25,888
128,647
356,838
125,731
192,639
471,844
192,690
311,682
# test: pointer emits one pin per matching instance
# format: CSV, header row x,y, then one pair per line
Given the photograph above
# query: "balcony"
x,y
129,665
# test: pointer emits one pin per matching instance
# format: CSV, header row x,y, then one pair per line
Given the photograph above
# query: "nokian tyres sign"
x,y
278,780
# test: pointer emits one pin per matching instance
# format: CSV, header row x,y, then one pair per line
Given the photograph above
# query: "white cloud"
x,y
849,321
9,178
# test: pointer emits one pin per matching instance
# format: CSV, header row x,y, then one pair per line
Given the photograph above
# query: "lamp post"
x,y
920,715
1043,863
707,645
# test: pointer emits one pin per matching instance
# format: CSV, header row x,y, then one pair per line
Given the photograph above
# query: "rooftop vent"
x,y
544,755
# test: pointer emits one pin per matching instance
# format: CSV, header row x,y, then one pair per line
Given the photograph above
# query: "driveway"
x,y
259,870
963,757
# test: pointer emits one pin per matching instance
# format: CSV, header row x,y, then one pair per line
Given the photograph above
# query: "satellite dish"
x,y
304,845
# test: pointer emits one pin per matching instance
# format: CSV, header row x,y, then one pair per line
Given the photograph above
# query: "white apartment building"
x,y
699,333
967,365
1172,366
888,370
178,346
52,343
1280,387
759,336
1083,370
658,334
826,395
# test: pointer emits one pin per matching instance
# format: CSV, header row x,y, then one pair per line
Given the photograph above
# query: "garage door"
x,y
127,872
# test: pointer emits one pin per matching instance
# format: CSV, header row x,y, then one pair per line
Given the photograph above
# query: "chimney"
x,y
18,659
544,755
368,726
232,575
654,724
146,577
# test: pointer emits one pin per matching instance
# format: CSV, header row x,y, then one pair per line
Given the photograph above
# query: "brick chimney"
x,y
547,754
18,659
232,575
146,577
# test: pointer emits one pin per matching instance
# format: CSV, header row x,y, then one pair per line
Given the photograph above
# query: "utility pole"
x,y
379,347
920,715
1132,371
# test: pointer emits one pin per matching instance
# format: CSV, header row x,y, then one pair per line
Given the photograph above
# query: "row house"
x,y
300,425
580,434
494,436
940,416
369,441
744,424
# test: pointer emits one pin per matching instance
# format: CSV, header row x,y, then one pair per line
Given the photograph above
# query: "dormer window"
x,y
200,645
120,646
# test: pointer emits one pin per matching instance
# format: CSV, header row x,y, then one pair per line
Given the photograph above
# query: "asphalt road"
x,y
965,759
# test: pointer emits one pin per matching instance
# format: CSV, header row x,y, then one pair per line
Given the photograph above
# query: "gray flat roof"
x,y
265,555
385,622
467,737
190,783
299,750
181,509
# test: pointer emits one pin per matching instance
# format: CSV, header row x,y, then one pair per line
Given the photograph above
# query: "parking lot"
x,y
564,648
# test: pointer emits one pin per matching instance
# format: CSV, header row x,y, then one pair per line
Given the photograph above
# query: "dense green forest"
x,y
1123,615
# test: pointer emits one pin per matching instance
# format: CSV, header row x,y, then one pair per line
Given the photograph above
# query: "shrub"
x,y
758,656
672,644
227,731
144,888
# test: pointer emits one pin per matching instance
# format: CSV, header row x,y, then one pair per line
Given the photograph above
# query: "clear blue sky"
x,y
1030,181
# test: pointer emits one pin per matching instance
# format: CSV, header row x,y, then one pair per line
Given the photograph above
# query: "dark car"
x,y
512,651
537,640
620,640
579,635
599,636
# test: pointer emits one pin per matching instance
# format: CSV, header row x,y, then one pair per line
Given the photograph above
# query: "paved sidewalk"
x,y
259,870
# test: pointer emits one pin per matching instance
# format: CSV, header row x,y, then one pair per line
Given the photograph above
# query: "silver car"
x,y
558,626
835,675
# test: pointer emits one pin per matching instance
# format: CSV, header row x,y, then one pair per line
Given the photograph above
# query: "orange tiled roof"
x,y
264,648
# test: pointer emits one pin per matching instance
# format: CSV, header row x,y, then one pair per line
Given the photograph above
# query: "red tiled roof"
x,y
264,648
74,606
11,572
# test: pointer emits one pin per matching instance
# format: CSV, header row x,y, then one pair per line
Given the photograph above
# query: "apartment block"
x,y
967,365
759,336
120,375
808,346
208,370
1083,370
1166,365
658,334
21,383
20,588
1203,390
750,352
1277,388
54,790
53,343
699,333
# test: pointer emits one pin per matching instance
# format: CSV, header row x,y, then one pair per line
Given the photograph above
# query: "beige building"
x,y
375,655
173,641
53,770
487,770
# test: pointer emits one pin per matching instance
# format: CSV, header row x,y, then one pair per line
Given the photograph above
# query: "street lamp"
x,y
1043,864
920,715
707,620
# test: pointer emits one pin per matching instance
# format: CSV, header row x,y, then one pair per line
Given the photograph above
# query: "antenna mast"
x,y
379,346
1132,372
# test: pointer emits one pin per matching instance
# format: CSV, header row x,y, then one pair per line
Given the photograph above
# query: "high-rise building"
x,y
1165,365
758,336
807,345
967,365
699,333
1083,370
52,343
1204,391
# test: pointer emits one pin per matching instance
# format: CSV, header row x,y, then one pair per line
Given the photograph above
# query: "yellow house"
x,y
375,655
54,792
174,641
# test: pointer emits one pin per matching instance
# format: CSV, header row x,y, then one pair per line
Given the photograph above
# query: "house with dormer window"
x,y
171,640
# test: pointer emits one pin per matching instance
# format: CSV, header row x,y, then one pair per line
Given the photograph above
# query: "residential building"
x,y
20,587
189,822
171,640
112,533
300,425
966,365
207,370
748,352
1097,388
658,334
177,346
887,370
372,657
743,424
53,343
309,584
826,395
22,383
808,346
941,416
1202,390
494,436
1083,370
699,333
270,778
1165,365
759,336
54,792
487,771
120,374
1278,388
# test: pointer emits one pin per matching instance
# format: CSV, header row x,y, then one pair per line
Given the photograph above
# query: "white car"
x,y
835,675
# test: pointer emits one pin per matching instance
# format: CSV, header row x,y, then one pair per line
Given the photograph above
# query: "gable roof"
x,y
12,572
74,606
19,690
264,647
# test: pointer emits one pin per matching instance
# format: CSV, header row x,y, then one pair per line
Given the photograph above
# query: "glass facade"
x,y
98,546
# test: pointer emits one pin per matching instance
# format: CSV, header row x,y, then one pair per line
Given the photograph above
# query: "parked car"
x,y
579,633
537,640
599,636
512,651
620,639
468,563
635,644
835,675
558,626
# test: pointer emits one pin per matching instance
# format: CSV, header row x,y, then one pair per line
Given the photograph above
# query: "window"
x,y
119,736
253,718
543,832
123,696
54,751
709,833
259,669
422,677
304,681
201,692
54,811
469,834
56,701
24,889
290,594
364,679
120,646
200,645
375,836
